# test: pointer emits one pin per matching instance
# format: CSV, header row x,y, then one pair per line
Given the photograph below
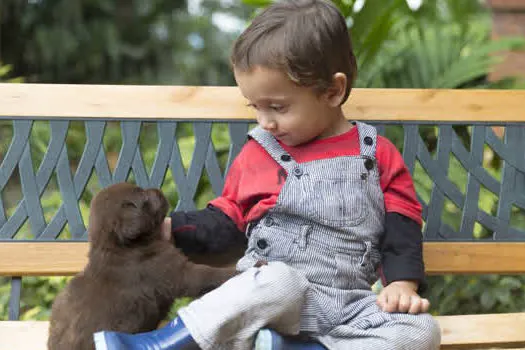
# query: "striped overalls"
x,y
326,224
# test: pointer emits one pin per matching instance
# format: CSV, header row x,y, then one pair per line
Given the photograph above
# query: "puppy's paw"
x,y
260,263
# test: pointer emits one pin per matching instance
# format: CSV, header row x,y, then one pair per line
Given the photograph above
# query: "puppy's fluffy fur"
x,y
133,274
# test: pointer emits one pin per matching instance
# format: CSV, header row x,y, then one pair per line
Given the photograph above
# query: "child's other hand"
x,y
401,296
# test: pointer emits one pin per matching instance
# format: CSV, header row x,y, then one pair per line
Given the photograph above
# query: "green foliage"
x,y
438,56
444,44
38,295
176,306
6,74
455,295
4,297
110,41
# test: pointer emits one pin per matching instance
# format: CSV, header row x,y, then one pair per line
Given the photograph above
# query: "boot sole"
x,y
100,341
267,340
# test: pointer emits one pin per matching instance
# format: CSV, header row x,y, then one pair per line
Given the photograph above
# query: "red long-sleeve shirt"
x,y
254,180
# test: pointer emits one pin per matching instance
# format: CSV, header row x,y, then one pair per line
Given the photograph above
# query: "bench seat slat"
x,y
482,331
458,332
23,335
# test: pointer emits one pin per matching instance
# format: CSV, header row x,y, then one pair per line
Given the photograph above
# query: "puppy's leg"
x,y
200,279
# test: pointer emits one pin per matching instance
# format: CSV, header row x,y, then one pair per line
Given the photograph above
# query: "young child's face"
x,y
293,114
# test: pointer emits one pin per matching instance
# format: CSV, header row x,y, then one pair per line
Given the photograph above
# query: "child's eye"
x,y
251,105
277,108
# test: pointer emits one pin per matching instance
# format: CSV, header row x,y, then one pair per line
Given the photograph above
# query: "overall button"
x,y
369,164
286,158
262,244
297,172
368,140
269,221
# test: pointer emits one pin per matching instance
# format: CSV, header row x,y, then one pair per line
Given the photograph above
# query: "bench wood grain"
x,y
482,331
23,335
458,332
219,103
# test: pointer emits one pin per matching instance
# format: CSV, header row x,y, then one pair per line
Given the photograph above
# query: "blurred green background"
x,y
439,44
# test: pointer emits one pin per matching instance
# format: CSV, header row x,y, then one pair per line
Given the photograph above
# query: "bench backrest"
x,y
464,148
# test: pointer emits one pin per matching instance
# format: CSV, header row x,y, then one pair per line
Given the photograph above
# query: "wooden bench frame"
x,y
153,103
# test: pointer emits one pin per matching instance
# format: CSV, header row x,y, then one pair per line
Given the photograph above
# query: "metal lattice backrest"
x,y
476,177
75,180
469,178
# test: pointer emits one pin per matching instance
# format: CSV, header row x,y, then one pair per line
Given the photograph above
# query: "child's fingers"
x,y
392,303
405,303
381,300
425,305
166,229
419,305
415,305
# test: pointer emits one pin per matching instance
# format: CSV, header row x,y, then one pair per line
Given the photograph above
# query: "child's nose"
x,y
265,122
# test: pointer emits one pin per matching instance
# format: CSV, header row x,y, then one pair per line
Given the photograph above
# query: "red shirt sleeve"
x,y
252,185
396,182
228,201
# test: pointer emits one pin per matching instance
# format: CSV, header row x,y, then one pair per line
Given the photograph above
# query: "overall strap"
x,y
367,140
274,149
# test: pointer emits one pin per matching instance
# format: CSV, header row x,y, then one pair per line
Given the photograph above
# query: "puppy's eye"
x,y
129,204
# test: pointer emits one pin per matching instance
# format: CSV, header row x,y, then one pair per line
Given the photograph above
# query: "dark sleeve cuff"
x,y
402,251
205,231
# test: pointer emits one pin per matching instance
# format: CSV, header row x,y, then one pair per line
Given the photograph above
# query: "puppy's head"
x,y
126,215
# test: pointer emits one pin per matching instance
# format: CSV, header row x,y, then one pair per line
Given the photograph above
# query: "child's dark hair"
x,y
306,39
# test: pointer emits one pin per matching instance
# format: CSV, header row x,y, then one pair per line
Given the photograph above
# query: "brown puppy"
x,y
133,275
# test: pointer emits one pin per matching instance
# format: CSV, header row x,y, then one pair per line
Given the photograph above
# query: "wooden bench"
x,y
448,249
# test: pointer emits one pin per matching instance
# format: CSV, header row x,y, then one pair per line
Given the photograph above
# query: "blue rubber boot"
x,y
174,336
268,339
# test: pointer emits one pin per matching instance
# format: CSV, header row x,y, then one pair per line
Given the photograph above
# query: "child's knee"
x,y
285,281
429,330
421,329
279,271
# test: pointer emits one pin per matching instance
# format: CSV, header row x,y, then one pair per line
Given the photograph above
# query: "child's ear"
x,y
337,91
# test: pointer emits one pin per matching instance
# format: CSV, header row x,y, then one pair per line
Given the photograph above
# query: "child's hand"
x,y
166,229
401,296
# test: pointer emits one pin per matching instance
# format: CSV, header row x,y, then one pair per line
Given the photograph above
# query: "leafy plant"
x,y
438,57
443,44
455,295
6,72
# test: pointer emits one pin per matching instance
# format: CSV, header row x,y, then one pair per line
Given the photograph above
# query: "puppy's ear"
x,y
132,222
